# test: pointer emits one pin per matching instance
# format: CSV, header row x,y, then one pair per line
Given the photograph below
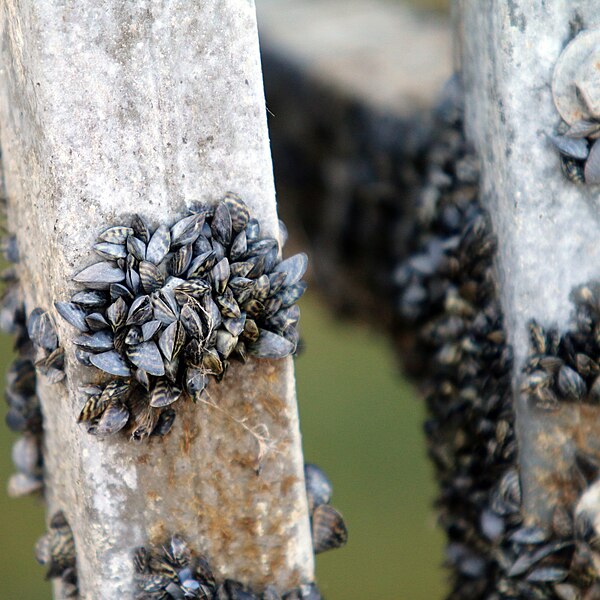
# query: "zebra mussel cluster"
x,y
175,572
449,326
165,311
447,292
447,295
56,550
24,414
566,368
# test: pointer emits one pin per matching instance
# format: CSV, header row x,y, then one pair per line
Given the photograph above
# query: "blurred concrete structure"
x,y
350,87
546,226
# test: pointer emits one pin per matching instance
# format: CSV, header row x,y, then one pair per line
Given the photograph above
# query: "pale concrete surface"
x,y
109,108
547,227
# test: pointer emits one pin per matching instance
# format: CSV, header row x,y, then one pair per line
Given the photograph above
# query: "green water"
x,y
21,522
362,424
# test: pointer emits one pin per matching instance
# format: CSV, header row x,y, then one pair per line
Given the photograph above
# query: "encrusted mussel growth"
x,y
447,296
579,158
327,524
447,292
166,310
565,368
175,571
24,414
575,98
56,550
346,172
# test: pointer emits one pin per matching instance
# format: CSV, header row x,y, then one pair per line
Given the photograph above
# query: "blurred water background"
x,y
362,423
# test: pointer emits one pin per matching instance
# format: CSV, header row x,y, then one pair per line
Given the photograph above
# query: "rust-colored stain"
x,y
559,486
142,459
296,578
550,459
274,529
277,563
249,525
172,479
190,433
248,411
287,484
270,371
158,533
245,460
229,480
219,527
153,496
274,405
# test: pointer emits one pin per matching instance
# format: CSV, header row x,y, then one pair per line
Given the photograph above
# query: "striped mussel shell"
x,y
56,551
24,414
174,570
166,310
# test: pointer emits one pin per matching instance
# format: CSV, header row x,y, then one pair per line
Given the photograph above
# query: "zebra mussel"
x,y
56,551
166,310
25,417
327,524
24,414
578,151
176,571
574,95
42,332
566,367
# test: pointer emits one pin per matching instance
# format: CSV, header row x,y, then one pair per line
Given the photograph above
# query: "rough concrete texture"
x,y
381,53
547,227
109,108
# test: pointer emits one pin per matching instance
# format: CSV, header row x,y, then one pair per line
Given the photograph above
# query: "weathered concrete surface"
x,y
547,227
378,52
350,87
109,108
